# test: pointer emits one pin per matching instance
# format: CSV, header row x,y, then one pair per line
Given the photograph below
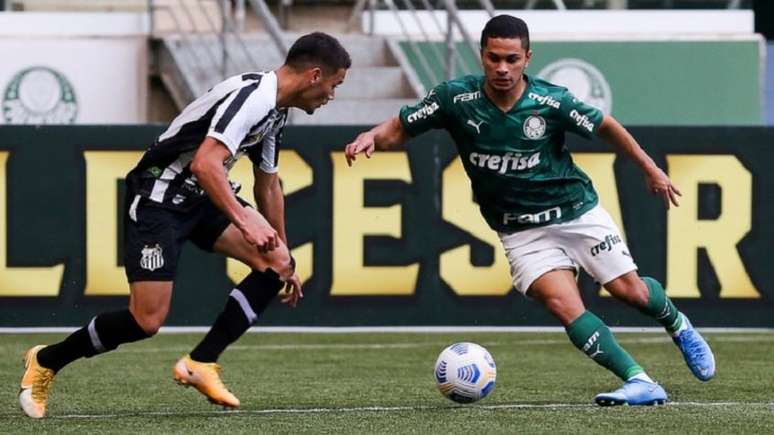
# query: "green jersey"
x,y
521,172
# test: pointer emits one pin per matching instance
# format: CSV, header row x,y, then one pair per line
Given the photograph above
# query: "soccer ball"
x,y
465,372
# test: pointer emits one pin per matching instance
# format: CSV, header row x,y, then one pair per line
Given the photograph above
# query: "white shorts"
x,y
591,241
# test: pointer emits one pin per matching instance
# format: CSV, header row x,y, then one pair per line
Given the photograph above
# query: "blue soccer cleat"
x,y
696,352
634,392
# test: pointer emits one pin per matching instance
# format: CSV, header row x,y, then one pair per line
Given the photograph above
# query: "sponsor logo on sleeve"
x,y
582,120
423,112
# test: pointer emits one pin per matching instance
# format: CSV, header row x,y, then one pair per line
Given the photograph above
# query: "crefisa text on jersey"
x,y
509,161
582,120
546,100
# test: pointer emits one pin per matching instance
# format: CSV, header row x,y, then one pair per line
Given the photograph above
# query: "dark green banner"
x,y
395,240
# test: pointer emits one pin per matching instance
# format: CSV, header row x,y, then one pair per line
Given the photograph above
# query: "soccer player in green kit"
x,y
509,130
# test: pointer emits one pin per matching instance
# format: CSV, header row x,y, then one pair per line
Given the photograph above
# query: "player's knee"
x,y
284,265
563,308
634,293
555,306
630,289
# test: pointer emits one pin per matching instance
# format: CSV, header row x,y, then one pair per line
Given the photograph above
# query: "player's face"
x,y
322,88
504,61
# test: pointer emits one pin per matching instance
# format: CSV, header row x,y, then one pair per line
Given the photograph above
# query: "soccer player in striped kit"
x,y
180,191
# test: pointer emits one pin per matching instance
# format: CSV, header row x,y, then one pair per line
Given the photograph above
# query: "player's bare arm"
x,y
657,181
384,136
270,200
207,165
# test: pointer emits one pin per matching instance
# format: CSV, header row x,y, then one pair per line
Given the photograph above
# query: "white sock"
x,y
643,377
683,325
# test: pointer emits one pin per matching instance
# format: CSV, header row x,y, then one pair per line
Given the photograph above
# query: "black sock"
x,y
245,303
103,334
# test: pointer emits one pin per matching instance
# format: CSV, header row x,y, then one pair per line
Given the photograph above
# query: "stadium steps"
x,y
375,89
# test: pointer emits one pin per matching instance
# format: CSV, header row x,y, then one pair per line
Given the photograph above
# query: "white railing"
x,y
417,31
210,33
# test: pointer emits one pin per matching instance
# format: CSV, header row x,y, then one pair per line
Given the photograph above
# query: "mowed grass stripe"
x,y
383,383
439,344
382,409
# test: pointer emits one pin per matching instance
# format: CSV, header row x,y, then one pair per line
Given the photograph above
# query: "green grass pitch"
x,y
382,383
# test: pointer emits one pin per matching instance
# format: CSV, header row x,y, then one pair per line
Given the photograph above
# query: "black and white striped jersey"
x,y
240,112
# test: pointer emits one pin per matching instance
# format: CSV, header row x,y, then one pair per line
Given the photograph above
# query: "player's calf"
x,y
104,333
592,337
631,289
245,304
696,352
660,307
149,322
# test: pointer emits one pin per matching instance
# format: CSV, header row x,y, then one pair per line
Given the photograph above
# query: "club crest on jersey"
x,y
152,257
534,127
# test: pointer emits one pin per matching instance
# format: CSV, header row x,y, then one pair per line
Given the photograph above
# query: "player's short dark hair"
x,y
318,49
506,26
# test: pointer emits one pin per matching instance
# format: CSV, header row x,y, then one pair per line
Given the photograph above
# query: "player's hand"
x,y
262,236
293,291
659,183
363,143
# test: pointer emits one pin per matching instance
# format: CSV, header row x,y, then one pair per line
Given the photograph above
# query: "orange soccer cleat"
x,y
205,377
35,384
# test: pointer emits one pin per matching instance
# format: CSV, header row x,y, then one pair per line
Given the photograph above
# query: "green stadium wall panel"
x,y
681,83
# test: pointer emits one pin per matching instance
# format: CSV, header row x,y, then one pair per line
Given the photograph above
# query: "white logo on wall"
x,y
39,95
534,127
582,79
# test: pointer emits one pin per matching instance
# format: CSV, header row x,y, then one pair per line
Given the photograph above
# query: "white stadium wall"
x,y
73,68
576,24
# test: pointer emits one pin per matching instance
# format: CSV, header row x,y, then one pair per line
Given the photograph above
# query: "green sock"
x,y
660,307
590,334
